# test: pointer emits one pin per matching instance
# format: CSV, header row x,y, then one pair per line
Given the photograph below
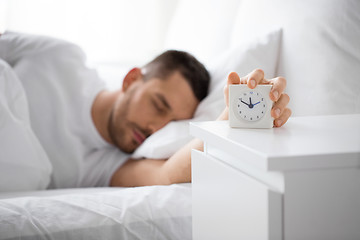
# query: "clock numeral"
x,y
264,105
250,118
262,99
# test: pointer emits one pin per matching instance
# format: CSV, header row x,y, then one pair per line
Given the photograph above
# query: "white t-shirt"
x,y
60,90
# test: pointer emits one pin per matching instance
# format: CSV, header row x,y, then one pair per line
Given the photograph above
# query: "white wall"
x,y
117,31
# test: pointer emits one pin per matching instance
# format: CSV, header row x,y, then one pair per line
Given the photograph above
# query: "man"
x,y
82,126
166,107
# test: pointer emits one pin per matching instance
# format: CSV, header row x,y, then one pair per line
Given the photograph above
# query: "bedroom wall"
x,y
127,32
319,49
110,31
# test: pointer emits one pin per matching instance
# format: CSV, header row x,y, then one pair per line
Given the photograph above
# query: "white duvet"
x,y
155,212
24,164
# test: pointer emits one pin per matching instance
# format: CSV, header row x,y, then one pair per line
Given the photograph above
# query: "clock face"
x,y
250,105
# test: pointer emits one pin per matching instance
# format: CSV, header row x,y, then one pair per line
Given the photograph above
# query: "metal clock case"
x,y
250,108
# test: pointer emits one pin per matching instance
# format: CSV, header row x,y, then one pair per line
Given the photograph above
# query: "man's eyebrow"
x,y
163,100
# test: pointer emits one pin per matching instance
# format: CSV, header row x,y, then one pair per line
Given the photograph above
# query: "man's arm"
x,y
177,169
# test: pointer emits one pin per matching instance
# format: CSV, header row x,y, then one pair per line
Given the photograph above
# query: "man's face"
x,y
147,106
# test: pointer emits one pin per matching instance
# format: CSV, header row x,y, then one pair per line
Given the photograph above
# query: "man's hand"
x,y
279,112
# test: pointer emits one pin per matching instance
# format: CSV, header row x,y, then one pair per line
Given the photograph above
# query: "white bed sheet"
x,y
153,212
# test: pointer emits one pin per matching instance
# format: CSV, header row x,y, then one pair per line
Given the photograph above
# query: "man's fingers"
x,y
280,106
233,78
283,118
255,77
278,88
279,112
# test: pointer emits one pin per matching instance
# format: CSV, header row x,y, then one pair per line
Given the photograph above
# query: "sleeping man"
x,y
88,131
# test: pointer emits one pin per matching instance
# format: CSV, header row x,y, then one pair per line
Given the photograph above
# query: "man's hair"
x,y
189,67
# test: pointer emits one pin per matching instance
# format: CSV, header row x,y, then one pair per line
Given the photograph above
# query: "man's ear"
x,y
132,76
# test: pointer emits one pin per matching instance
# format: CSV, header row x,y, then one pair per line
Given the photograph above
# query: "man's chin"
x,y
127,151
127,148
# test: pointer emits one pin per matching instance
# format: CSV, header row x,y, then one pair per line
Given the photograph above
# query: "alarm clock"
x,y
250,108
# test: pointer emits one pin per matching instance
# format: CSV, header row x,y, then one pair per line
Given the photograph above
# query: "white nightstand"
x,y
301,181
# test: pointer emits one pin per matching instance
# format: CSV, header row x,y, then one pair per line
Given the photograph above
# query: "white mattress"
x,y
153,212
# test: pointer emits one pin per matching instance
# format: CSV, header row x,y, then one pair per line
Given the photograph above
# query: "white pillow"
x,y
24,164
261,53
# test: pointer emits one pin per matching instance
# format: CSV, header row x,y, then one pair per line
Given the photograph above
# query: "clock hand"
x,y
250,105
244,103
256,103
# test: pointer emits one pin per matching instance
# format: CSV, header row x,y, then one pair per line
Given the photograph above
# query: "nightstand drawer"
x,y
228,204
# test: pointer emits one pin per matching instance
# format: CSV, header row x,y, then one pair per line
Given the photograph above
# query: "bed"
x,y
315,50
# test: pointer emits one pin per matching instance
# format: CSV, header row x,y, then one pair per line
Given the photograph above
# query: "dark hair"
x,y
192,70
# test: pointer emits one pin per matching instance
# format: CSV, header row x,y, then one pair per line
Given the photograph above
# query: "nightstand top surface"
x,y
303,142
